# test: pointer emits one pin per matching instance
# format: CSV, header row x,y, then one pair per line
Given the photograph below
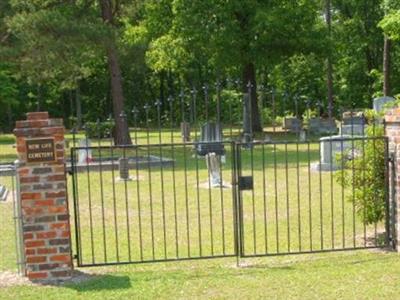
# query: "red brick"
x,y
59,177
47,250
55,194
30,252
30,179
31,196
57,209
46,235
63,258
44,202
28,236
37,275
33,244
36,259
39,115
65,234
59,226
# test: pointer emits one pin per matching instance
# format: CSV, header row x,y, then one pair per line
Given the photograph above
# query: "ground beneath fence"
x,y
8,279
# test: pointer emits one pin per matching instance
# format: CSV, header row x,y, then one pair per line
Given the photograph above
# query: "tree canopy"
x,y
84,59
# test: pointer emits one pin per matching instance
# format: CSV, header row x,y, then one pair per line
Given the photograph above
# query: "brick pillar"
x,y
43,196
392,121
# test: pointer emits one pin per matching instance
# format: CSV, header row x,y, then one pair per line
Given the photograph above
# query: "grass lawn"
x,y
166,212
355,275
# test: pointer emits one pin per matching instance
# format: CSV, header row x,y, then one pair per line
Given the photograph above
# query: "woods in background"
x,y
82,60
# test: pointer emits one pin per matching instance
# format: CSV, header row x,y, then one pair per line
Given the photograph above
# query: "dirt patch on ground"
x,y
8,279
12,279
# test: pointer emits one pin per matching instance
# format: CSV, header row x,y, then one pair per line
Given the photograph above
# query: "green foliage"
x,y
365,172
99,129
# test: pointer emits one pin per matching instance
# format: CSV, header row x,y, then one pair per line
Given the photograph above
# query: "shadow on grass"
x,y
100,283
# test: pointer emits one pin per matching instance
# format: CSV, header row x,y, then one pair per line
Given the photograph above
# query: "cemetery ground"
x,y
355,274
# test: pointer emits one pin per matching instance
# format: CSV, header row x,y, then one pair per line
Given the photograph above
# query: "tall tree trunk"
x,y
249,75
121,132
329,67
78,104
386,67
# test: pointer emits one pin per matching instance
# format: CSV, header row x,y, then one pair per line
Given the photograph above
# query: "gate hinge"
x,y
245,183
70,172
75,256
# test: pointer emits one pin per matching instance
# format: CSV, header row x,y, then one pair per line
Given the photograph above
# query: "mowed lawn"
x,y
168,213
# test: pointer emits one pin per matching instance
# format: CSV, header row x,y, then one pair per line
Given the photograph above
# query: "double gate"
x,y
154,203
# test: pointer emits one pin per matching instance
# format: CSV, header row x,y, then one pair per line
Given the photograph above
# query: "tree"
x,y
63,42
234,37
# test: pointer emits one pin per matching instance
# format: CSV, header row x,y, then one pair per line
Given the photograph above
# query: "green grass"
x,y
287,207
355,275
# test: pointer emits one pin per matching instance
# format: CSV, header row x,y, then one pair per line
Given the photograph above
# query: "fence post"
x,y
392,131
43,196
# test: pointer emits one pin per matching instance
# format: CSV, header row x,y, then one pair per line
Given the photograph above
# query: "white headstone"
x,y
214,169
331,147
84,153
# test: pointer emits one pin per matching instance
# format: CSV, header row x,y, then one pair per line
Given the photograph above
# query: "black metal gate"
x,y
300,204
154,203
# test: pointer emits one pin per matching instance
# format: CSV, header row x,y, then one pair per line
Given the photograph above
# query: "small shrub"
x,y
365,172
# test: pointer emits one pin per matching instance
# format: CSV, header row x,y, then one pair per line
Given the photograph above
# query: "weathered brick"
x,y
56,242
62,217
64,249
52,266
43,170
33,228
61,274
55,194
46,250
37,115
45,219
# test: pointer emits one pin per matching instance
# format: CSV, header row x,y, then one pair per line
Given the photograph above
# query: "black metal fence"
x,y
165,202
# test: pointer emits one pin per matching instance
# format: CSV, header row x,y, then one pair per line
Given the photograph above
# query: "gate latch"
x,y
245,183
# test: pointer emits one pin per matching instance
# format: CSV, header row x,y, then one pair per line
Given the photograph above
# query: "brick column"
x,y
392,121
43,196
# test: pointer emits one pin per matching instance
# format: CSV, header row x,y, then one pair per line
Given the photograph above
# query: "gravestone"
x,y
211,147
331,147
123,165
354,124
379,103
84,153
214,169
322,126
292,124
185,132
210,140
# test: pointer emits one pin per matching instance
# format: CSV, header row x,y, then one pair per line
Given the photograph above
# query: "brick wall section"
x,y
392,120
43,196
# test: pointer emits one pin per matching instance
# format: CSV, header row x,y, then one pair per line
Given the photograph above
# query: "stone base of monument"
x,y
3,193
356,129
209,185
